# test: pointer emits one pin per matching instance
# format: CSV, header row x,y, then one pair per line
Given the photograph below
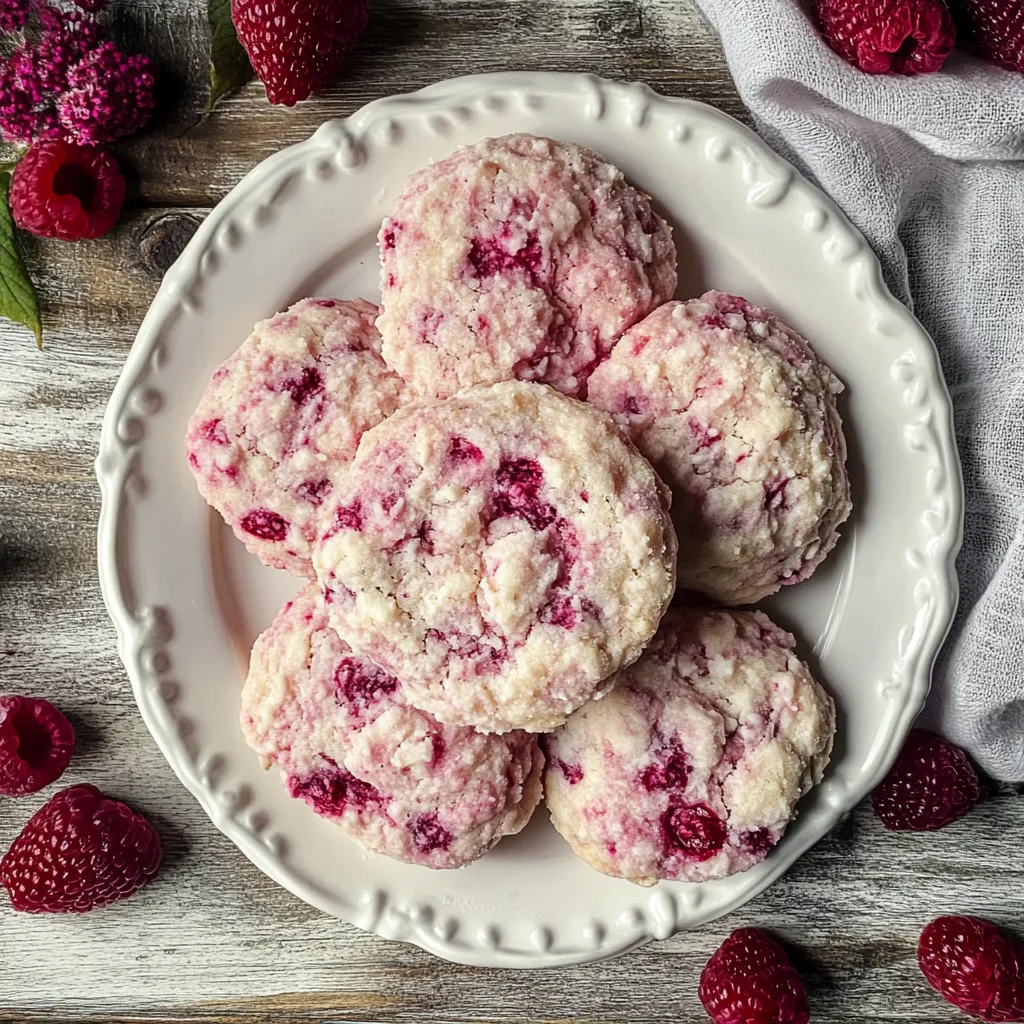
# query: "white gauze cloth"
x,y
931,169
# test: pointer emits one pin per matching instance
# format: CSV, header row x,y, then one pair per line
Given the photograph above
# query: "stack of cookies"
x,y
496,483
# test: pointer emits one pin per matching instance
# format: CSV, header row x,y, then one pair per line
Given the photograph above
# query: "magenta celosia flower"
x,y
68,81
26,111
14,14
109,94
67,37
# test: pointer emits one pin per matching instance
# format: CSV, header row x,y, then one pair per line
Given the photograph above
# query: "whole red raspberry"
x,y
904,37
79,851
993,29
931,784
297,46
974,966
63,191
36,743
750,980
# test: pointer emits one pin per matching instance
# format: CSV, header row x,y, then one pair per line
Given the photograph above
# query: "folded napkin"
x,y
931,169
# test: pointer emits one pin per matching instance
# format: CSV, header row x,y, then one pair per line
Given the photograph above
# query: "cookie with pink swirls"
x,y
691,768
739,417
518,257
281,415
347,743
501,552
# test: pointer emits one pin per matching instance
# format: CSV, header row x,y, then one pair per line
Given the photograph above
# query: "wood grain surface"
x,y
212,939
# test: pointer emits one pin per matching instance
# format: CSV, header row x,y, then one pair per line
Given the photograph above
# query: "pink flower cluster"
x,y
66,80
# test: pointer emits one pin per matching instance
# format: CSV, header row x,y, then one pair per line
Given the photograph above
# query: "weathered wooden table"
x,y
212,939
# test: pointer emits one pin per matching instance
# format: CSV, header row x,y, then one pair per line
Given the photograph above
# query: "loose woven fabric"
x,y
931,169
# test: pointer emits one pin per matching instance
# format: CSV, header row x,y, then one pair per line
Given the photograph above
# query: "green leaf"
x,y
229,64
18,300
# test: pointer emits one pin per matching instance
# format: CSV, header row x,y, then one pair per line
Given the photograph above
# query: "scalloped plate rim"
x,y
165,306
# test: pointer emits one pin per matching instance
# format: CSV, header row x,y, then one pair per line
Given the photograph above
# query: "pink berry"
x,y
461,450
695,831
36,743
69,192
265,525
303,387
974,966
931,784
359,685
331,791
903,37
749,980
993,29
297,46
79,851
429,835
489,258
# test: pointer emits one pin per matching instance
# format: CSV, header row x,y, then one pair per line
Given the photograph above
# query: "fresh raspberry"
x,y
297,46
36,743
109,95
904,37
931,784
79,851
993,29
63,191
974,966
750,980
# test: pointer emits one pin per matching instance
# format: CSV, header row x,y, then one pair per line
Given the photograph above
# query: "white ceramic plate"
x,y
188,601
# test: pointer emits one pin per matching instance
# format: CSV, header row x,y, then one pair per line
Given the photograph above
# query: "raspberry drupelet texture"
x,y
993,29
974,966
36,743
59,190
903,37
750,980
109,95
931,785
297,46
77,852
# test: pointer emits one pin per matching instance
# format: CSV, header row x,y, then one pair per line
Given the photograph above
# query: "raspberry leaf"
x,y
18,299
229,64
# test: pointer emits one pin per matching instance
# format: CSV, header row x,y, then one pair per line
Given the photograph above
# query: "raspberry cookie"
x,y
519,258
281,415
739,417
501,552
692,767
348,743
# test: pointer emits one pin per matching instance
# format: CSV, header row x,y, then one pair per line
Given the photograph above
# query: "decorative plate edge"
x,y
771,181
